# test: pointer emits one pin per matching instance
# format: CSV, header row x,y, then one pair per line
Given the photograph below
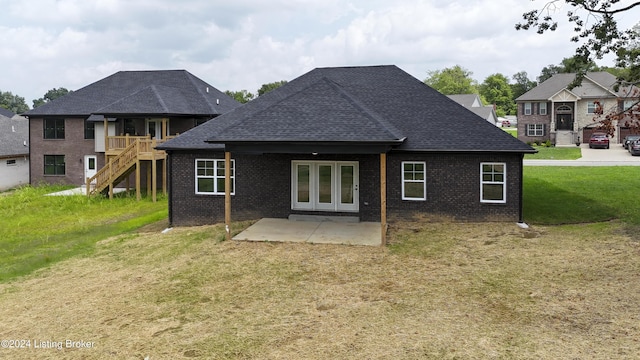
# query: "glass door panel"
x,y
324,200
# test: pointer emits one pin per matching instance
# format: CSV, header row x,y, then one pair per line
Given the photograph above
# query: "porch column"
x,y
165,133
154,171
106,138
227,193
383,198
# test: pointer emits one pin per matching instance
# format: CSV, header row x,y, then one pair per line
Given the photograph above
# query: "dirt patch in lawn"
x,y
438,291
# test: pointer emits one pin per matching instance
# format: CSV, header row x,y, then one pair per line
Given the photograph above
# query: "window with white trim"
x,y
414,183
535,129
210,176
542,108
527,108
493,183
591,107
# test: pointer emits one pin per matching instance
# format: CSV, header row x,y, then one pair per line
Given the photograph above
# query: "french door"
x,y
324,185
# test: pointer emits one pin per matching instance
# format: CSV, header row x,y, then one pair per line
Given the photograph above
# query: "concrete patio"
x,y
313,231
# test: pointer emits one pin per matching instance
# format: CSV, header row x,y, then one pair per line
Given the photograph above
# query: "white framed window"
x,y
591,107
535,129
527,108
414,182
493,183
542,108
210,176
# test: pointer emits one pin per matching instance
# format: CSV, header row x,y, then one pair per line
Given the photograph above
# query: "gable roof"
x,y
150,93
14,134
369,105
474,103
594,84
6,113
466,100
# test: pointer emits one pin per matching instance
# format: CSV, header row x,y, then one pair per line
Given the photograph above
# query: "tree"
x,y
597,34
242,96
452,81
522,84
12,102
50,96
265,88
496,90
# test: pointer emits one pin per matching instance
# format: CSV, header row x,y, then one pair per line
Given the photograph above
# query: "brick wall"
x,y
74,147
263,188
534,118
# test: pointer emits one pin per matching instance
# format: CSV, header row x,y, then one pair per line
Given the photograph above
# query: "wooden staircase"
x,y
120,166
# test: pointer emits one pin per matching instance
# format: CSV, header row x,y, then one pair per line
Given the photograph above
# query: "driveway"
x,y
616,155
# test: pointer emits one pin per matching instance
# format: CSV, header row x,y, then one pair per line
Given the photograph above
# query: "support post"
x,y
106,137
164,175
383,198
154,171
227,193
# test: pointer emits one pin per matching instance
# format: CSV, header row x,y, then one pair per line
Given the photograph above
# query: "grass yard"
x,y
512,131
555,153
438,291
42,230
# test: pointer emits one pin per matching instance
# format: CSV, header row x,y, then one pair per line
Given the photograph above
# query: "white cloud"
x,y
243,44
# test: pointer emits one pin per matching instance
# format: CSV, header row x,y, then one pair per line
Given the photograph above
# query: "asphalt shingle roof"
x,y
354,104
157,92
6,113
14,133
544,91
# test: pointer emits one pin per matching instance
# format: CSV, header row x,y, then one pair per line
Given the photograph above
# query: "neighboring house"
x,y
14,150
105,131
474,103
363,142
552,111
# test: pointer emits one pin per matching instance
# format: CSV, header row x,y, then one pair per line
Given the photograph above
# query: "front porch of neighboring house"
x,y
126,155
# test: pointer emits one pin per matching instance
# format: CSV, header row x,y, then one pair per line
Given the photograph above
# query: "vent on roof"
x,y
207,89
13,128
217,101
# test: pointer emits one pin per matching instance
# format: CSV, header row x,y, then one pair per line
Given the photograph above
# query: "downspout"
x,y
521,222
29,144
169,201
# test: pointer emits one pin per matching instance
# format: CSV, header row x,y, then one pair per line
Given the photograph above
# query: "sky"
x,y
242,44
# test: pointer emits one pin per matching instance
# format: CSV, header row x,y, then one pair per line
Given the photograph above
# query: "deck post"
x,y
138,195
227,194
164,175
383,198
106,137
154,171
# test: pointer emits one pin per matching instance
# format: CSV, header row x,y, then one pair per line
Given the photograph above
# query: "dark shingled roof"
x,y
353,105
156,92
6,113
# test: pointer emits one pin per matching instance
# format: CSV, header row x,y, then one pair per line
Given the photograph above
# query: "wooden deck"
x,y
124,155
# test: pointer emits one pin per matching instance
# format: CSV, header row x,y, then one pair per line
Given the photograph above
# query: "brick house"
x,y
85,136
363,142
552,111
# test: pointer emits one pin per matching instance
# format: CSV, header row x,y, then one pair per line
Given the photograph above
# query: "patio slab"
x,y
310,231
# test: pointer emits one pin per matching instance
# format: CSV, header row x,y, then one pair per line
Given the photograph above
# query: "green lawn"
x,y
512,131
560,195
555,153
41,230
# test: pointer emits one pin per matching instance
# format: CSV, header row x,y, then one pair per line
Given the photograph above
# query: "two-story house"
x,y
554,111
100,134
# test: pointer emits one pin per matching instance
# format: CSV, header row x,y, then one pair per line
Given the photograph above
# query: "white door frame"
x,y
90,166
312,181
